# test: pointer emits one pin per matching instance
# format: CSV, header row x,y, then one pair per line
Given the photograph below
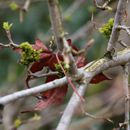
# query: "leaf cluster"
x,y
106,29
29,54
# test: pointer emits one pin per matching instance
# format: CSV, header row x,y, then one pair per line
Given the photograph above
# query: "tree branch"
x,y
32,91
56,22
119,18
70,109
126,93
59,34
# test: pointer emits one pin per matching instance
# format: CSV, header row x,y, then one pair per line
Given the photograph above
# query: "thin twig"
x,y
26,5
126,93
104,6
97,117
23,9
123,27
36,76
11,44
71,10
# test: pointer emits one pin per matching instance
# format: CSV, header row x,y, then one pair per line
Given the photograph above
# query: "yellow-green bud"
x,y
106,29
17,123
7,26
58,68
13,6
29,54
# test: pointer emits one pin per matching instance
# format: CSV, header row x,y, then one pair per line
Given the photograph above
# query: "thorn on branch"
x,y
26,5
123,44
95,117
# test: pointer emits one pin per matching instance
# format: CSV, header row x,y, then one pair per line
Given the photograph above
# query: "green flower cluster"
x,y
29,54
7,26
13,6
17,123
58,68
106,29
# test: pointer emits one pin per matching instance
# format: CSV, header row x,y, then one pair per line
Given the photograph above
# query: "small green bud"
x,y
58,68
17,123
66,66
7,26
106,29
25,45
13,6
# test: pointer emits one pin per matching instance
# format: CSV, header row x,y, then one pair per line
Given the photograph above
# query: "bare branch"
x,y
36,76
11,44
70,109
118,20
56,22
59,34
126,93
32,91
97,117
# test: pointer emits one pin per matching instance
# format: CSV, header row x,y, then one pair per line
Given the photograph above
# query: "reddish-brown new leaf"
x,y
53,96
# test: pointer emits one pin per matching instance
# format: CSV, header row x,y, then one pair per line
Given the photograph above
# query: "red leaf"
x,y
53,96
38,66
47,59
40,45
98,78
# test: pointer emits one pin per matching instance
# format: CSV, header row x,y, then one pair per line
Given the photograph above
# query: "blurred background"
x,y
81,20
